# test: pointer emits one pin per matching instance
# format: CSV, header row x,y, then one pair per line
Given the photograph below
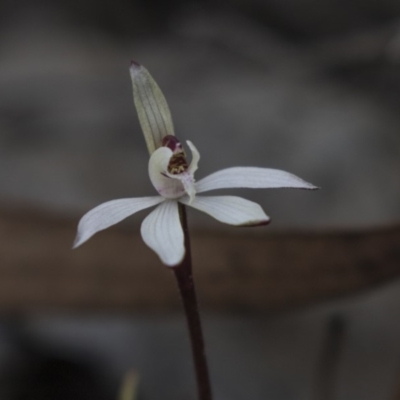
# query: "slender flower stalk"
x,y
165,229
184,277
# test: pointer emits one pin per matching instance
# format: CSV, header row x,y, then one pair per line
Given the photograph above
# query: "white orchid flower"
x,y
173,178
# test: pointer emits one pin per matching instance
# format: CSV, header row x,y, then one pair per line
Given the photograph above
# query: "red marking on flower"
x,y
172,142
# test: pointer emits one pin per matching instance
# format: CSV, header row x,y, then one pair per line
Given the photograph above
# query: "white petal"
x,y
162,232
152,108
231,210
166,184
110,213
195,157
251,177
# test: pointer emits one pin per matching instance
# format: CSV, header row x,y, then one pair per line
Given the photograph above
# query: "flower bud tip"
x,y
135,67
135,64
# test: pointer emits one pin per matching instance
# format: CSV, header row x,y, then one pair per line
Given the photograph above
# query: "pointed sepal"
x,y
151,106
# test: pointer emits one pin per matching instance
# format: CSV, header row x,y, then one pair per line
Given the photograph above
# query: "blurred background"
x,y
311,87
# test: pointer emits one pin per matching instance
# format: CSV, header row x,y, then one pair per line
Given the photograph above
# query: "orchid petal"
x,y
194,164
168,185
231,210
162,232
251,177
151,106
110,213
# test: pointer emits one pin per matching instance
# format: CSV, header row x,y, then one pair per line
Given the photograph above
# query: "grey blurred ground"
x,y
312,88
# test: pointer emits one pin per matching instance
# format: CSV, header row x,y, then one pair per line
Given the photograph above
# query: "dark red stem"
x,y
184,277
